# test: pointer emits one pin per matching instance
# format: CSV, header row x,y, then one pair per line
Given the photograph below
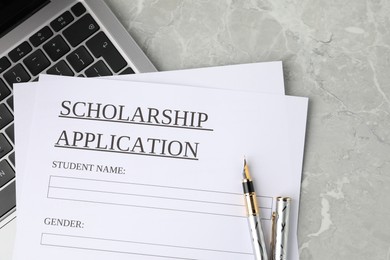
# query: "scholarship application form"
x,y
141,175
263,77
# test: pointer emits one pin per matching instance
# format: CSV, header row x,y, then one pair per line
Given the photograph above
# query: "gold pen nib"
x,y
246,170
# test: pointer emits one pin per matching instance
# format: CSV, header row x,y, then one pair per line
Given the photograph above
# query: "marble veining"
x,y
337,53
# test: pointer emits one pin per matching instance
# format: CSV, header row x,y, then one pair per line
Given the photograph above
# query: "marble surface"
x,y
337,53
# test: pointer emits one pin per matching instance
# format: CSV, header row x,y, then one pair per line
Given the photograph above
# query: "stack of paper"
x,y
149,166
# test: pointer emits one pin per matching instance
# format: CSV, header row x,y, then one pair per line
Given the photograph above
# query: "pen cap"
x,y
280,228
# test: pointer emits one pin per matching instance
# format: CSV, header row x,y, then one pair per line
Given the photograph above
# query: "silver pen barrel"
x,y
280,229
259,244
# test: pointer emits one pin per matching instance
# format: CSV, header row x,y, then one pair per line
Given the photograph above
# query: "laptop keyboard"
x,y
73,44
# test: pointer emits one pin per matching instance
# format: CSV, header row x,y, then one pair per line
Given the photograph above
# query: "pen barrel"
x,y
259,246
280,229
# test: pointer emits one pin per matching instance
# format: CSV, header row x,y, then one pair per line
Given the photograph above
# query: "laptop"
x,y
62,37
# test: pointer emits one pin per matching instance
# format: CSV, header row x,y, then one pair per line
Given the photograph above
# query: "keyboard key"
x,y
4,64
12,158
78,9
61,68
98,69
62,21
101,46
5,116
10,133
5,146
81,30
4,90
10,102
36,62
7,199
16,74
56,48
41,36
20,51
6,173
79,59
127,71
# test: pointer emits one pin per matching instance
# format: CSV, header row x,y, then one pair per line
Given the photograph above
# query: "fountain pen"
x,y
253,213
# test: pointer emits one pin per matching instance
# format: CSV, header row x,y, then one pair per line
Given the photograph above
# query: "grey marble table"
x,y
337,53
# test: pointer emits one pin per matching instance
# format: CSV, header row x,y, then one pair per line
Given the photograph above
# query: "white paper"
x,y
220,175
265,77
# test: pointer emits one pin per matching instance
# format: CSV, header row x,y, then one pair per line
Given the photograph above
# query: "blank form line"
x,y
148,207
120,252
150,196
146,243
154,185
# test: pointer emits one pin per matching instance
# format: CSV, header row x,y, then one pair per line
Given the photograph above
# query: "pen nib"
x,y
246,170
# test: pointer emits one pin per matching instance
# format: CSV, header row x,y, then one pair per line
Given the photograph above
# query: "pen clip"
x,y
273,234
